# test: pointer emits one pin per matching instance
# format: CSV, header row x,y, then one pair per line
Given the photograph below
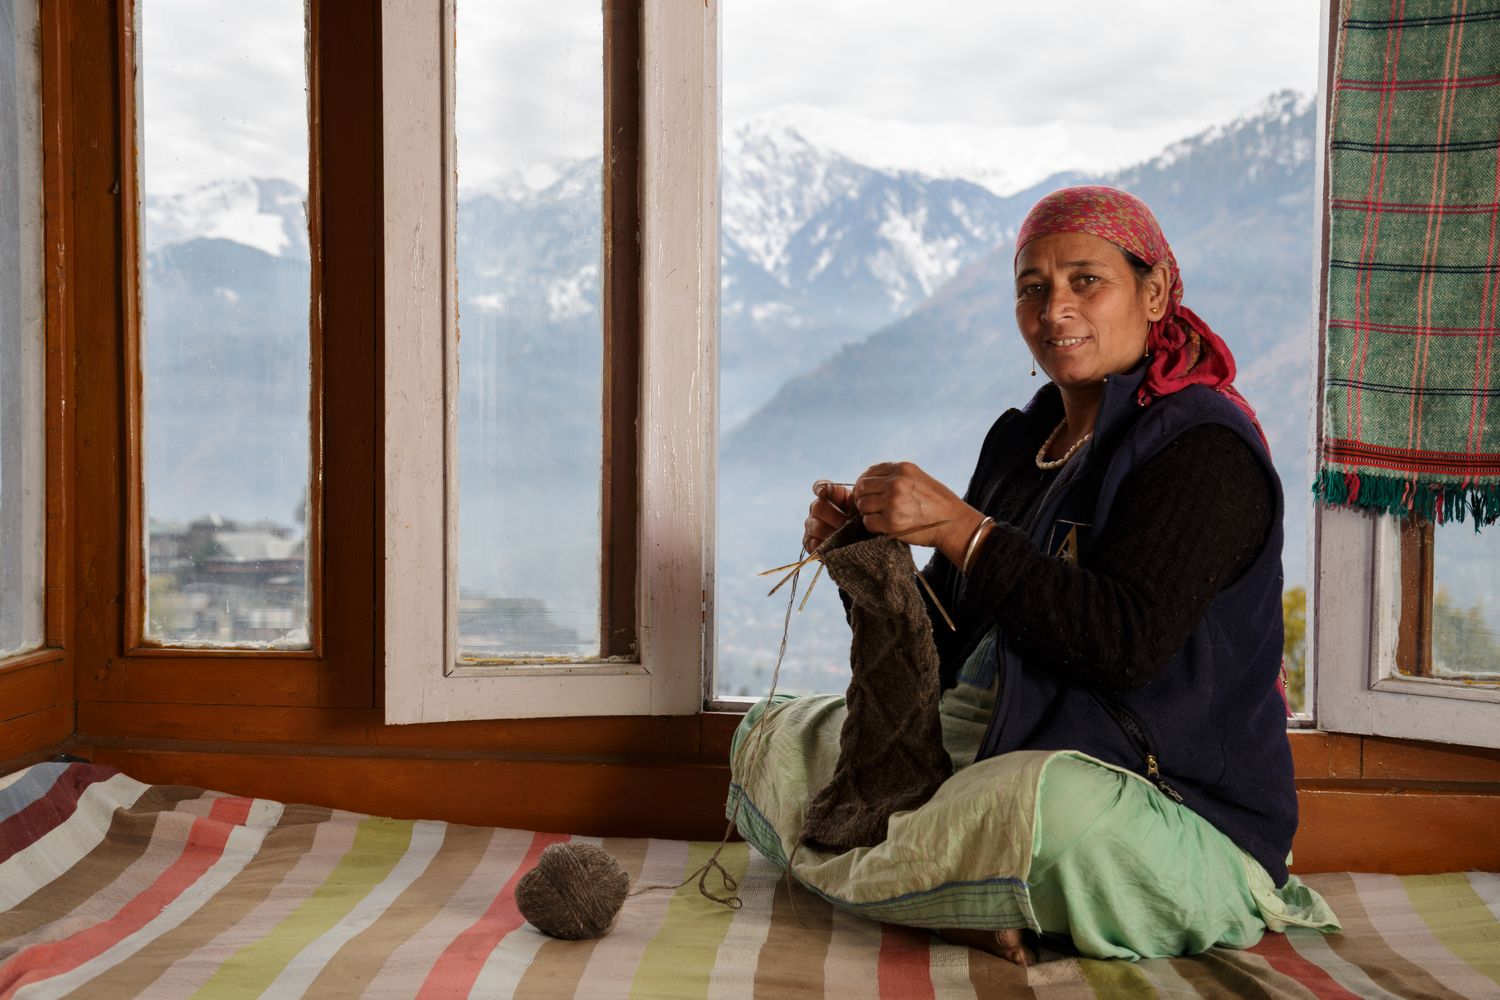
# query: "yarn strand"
x,y
730,884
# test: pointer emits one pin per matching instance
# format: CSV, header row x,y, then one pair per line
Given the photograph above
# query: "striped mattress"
x,y
114,888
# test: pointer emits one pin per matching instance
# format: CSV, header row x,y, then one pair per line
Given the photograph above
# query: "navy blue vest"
x,y
1210,730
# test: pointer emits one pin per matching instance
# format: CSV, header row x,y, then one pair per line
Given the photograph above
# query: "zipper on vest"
x,y
1154,773
1136,733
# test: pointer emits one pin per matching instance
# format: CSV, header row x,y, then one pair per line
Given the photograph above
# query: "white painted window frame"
x,y
1355,626
677,425
1356,604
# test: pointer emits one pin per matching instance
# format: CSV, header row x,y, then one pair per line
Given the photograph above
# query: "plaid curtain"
x,y
1412,370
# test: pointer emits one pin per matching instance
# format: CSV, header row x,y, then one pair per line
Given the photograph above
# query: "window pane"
x,y
22,430
876,164
226,275
529,131
1466,603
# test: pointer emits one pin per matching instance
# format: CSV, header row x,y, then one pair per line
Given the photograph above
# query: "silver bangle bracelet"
x,y
974,544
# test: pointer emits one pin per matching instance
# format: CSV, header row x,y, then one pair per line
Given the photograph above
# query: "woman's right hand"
x,y
832,506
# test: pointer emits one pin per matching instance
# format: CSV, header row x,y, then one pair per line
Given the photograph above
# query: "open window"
x,y
1395,657
501,602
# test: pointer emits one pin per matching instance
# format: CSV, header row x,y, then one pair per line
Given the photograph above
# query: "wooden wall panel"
x,y
1404,760
1318,755
1400,832
36,731
363,728
636,799
31,683
36,704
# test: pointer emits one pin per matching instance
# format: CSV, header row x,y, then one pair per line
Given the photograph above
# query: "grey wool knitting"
x,y
891,754
574,892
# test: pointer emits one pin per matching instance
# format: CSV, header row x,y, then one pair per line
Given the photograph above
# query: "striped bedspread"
x,y
114,888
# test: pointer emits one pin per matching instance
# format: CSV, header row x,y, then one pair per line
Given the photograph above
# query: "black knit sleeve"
x,y
1184,525
956,633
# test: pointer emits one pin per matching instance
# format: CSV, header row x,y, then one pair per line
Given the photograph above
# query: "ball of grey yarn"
x,y
574,892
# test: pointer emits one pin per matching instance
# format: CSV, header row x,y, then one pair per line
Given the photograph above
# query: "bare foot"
x,y
1012,947
1008,944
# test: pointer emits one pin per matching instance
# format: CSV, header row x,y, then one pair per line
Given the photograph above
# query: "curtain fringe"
x,y
1437,502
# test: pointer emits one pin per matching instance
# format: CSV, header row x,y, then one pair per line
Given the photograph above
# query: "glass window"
x,y
1466,603
876,163
529,135
226,278
22,424
1449,616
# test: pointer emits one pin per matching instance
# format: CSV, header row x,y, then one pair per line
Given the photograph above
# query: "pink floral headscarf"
x,y
1184,350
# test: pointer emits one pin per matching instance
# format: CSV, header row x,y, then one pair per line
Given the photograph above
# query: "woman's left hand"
x,y
895,497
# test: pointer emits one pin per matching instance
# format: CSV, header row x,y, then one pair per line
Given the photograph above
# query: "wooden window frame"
x,y
98,191
1414,631
137,643
56,349
1372,580
660,410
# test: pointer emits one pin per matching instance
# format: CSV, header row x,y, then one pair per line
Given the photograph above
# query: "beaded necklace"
x,y
1041,455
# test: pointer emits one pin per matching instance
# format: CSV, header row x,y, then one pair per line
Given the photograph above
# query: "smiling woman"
x,y
1084,313
1114,578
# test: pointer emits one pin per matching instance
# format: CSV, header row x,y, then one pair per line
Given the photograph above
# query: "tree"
x,y
1463,642
1294,645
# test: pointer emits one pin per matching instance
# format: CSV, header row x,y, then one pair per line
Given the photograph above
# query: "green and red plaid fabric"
x,y
1412,373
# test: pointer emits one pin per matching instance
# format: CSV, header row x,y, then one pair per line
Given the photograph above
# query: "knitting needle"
x,y
933,594
836,506
920,527
795,568
810,586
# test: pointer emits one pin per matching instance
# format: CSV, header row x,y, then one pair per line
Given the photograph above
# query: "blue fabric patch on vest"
x,y
980,668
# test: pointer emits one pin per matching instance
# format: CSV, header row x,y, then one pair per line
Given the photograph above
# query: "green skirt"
x,y
1056,841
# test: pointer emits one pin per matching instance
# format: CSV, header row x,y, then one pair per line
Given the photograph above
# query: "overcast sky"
x,y
223,92
1143,62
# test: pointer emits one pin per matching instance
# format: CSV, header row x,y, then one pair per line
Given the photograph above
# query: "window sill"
x,y
33,658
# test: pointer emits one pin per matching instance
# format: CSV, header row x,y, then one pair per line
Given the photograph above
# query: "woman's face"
x,y
1081,308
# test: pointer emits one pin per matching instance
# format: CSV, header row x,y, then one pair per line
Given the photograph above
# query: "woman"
x,y
1114,578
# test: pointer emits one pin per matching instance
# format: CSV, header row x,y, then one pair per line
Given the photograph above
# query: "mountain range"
x,y
866,316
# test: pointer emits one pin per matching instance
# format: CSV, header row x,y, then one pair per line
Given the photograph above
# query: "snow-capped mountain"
x,y
268,214
819,250
1259,136
1003,159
